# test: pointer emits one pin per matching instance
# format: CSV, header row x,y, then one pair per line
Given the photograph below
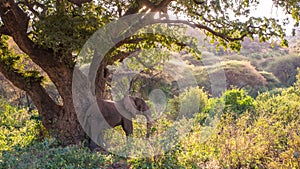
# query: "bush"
x,y
186,104
237,101
213,110
234,101
168,160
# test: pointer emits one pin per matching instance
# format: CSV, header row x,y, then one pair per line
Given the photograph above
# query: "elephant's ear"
x,y
129,104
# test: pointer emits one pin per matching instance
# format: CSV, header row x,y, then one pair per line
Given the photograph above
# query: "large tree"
x,y
50,33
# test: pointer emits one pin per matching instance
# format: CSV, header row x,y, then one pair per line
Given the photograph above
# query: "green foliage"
x,y
166,160
185,105
154,46
292,7
44,155
66,27
201,13
18,127
149,59
270,140
262,143
237,101
15,63
234,102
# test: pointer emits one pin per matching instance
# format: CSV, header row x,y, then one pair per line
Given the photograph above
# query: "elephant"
x,y
114,114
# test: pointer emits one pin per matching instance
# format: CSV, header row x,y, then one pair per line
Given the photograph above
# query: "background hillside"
x,y
258,67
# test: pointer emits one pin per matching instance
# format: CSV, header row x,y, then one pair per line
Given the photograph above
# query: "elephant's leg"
x,y
96,134
96,141
93,145
99,144
127,127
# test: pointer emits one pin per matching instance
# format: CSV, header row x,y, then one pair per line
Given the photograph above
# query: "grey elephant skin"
x,y
108,114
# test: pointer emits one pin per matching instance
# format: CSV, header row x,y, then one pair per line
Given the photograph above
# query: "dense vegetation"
x,y
251,133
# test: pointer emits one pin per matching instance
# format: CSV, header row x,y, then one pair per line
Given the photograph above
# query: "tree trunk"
x,y
68,127
60,120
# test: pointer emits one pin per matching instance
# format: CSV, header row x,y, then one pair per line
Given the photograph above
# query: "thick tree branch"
x,y
44,103
9,9
218,34
203,27
123,55
161,7
13,18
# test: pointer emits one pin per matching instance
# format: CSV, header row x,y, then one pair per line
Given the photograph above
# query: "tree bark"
x,y
68,127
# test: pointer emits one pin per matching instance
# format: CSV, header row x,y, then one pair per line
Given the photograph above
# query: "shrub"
x,y
276,91
254,144
168,160
234,101
213,110
186,104
237,101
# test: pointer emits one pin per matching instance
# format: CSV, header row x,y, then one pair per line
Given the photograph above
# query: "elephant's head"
x,y
138,106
